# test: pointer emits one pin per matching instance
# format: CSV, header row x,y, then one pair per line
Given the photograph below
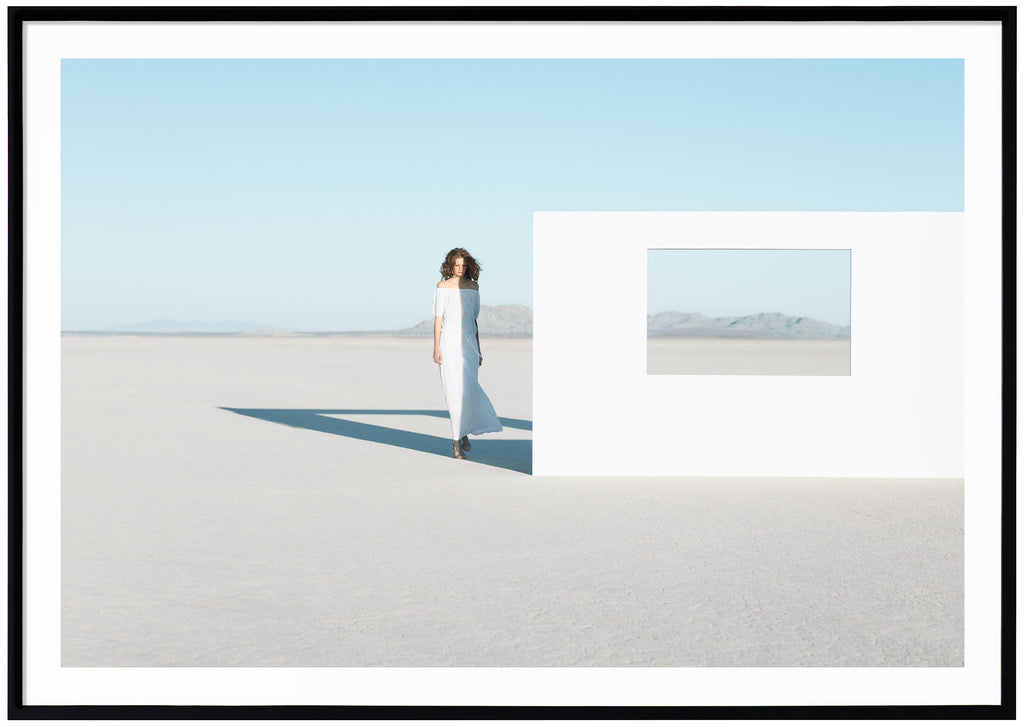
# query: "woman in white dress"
x,y
457,350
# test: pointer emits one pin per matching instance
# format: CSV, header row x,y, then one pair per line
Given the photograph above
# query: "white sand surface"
x,y
221,507
681,355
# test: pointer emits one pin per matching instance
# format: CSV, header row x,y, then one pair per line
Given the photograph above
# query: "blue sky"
x,y
809,283
322,194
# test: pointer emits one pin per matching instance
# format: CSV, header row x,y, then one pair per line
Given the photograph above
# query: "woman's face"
x,y
458,267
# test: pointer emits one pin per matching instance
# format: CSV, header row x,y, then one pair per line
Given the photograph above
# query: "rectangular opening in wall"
x,y
783,312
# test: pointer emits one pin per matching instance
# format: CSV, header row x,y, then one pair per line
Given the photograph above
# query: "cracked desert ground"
x,y
247,501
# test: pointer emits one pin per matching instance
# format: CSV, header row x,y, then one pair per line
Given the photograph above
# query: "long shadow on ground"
x,y
510,454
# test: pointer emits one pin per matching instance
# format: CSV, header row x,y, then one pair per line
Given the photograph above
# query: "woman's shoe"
x,y
464,443
457,450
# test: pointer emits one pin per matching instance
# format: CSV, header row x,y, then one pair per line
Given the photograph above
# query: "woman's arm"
x,y
437,338
478,343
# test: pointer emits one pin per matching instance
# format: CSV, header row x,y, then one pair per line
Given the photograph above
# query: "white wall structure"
x,y
899,414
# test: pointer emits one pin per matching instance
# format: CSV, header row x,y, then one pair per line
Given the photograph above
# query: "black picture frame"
x,y
19,16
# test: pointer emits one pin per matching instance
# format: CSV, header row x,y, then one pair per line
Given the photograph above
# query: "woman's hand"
x,y
481,361
438,325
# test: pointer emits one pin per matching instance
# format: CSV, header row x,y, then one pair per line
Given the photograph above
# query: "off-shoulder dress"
x,y
470,410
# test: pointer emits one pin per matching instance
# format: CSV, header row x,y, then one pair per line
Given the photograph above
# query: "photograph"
x,y
438,353
273,275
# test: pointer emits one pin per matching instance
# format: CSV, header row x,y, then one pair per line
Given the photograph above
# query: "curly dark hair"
x,y
472,266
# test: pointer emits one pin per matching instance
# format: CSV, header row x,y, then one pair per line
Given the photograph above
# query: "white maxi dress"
x,y
470,410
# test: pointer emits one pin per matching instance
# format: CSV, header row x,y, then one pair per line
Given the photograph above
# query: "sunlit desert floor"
x,y
680,355
293,502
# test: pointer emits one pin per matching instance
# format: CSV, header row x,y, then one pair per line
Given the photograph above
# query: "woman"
x,y
457,350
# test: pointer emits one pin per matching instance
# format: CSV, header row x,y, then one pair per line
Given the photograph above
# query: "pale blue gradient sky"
x,y
809,283
322,194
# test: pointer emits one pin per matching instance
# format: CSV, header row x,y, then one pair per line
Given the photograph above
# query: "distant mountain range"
x,y
758,325
516,321
498,320
510,321
167,325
